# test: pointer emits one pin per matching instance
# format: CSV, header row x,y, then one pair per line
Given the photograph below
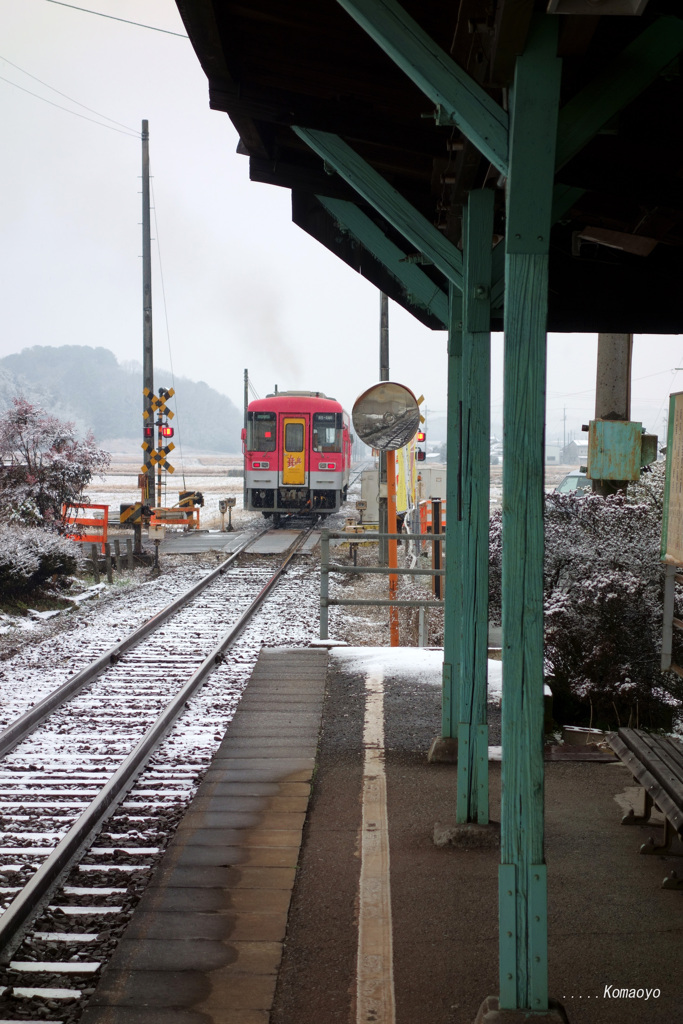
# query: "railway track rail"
x,y
54,798
26,723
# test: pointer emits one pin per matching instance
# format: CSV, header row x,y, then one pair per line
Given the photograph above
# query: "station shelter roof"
x,y
616,252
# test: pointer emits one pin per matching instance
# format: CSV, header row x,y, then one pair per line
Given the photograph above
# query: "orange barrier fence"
x,y
86,523
427,526
426,513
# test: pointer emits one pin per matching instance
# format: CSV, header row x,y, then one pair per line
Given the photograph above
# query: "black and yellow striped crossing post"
x,y
156,457
132,515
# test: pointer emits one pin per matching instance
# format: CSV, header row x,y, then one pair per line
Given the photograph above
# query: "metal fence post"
x,y
667,625
107,562
324,581
436,546
94,555
422,627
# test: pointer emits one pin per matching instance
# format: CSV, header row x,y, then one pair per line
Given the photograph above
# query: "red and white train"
x,y
297,454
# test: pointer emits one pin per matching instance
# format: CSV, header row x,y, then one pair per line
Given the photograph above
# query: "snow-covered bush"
x,y
44,464
649,489
603,596
30,557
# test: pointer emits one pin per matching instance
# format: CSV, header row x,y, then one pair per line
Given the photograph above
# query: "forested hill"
x,y
89,387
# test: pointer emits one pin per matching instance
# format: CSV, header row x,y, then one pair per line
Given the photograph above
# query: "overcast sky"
x,y
244,287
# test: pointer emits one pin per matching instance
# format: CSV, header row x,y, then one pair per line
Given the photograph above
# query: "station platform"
x,y
321,826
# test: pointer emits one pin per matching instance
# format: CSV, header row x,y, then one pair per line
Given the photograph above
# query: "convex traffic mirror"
x,y
386,416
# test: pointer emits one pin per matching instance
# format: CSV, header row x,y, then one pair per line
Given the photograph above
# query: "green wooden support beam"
x,y
419,288
452,644
534,111
564,197
619,84
473,518
459,99
386,200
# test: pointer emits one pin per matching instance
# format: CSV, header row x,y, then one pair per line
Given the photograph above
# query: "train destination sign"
x,y
386,416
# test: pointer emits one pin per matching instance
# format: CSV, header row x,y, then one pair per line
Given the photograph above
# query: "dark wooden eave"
x,y
272,65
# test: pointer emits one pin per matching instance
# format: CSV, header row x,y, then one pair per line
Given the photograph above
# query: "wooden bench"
x,y
656,762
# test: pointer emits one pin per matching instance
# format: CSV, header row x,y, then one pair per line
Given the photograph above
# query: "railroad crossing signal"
x,y
158,402
156,414
130,514
157,456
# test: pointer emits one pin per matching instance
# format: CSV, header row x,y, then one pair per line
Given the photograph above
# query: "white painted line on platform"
x,y
375,999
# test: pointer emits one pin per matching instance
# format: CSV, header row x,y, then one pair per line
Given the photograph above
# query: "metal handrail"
x,y
326,567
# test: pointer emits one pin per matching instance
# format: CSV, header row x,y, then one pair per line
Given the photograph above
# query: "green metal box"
x,y
648,449
614,449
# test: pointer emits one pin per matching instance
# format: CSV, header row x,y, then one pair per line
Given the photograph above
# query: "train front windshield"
x,y
261,432
327,432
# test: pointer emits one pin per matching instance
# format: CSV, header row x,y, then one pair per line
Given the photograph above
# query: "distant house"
x,y
575,453
552,453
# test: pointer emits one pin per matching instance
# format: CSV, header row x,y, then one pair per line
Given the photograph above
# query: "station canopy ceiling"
x,y
616,253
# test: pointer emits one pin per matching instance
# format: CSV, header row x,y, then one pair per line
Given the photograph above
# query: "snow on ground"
x,y
420,665
116,489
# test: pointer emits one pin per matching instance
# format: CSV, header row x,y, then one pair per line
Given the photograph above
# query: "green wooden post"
x,y
522,888
452,642
473,510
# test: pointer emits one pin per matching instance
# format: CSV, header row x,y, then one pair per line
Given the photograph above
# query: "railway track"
x,y
91,789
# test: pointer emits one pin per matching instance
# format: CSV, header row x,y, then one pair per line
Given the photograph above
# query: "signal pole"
x,y
147,347
382,513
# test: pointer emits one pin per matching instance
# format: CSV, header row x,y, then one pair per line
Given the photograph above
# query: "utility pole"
x,y
246,396
147,348
383,375
244,446
613,391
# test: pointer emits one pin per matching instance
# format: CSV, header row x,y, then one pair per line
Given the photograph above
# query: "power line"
x,y
75,113
589,391
69,98
138,24
168,331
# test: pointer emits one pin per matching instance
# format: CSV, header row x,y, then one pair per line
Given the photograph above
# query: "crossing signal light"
x,y
421,436
148,431
167,431
420,455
